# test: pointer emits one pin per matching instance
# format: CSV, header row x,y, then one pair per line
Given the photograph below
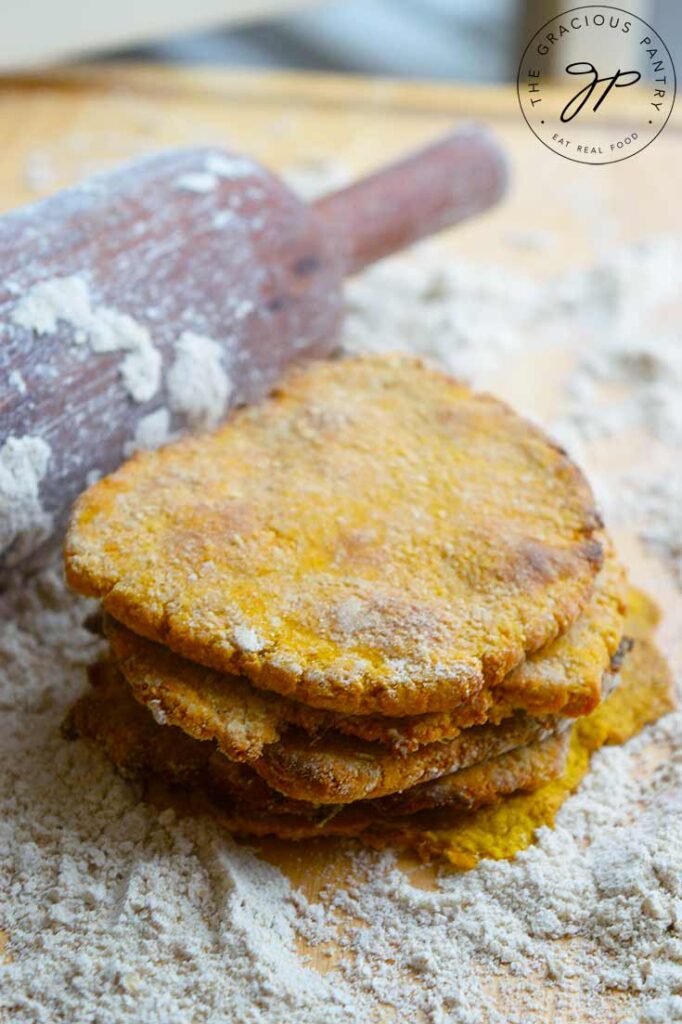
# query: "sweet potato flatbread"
x,y
460,817
326,767
373,538
140,747
340,770
564,677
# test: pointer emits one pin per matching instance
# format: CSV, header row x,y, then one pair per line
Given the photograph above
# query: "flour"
x,y
198,385
247,639
632,380
216,167
120,912
465,318
23,521
317,176
151,431
17,381
196,181
231,167
67,300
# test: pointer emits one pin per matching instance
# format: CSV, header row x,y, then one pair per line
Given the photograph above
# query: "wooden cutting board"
x,y
59,127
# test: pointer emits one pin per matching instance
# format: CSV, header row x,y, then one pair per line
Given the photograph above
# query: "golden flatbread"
x,y
435,818
340,770
244,720
373,538
139,746
325,767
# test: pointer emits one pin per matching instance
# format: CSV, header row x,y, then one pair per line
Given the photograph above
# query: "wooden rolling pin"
x,y
98,284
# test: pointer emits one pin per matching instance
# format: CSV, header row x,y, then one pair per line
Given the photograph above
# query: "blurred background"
x,y
463,40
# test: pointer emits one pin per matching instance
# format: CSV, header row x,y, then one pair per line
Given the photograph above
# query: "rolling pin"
x,y
101,283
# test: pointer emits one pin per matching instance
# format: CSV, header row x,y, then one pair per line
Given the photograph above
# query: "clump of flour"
x,y
24,523
198,385
67,300
316,177
151,431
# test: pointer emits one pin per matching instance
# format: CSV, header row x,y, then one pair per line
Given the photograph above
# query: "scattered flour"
x,y
608,878
23,521
317,176
464,317
196,181
632,381
198,384
216,167
67,300
17,381
117,911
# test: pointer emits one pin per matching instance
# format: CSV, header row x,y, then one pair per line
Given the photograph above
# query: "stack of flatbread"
x,y
371,601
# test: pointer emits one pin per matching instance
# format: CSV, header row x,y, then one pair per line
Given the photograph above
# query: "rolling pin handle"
x,y
444,183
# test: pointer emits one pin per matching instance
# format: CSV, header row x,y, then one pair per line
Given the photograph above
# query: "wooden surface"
x,y
57,129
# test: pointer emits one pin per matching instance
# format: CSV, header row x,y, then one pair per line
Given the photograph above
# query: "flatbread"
x,y
460,817
338,770
373,538
244,720
325,767
565,677
138,746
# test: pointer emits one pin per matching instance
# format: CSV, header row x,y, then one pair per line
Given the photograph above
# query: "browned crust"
x,y
374,538
326,767
140,747
244,719
563,678
336,771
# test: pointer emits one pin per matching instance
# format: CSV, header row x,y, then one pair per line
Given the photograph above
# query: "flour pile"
x,y
117,911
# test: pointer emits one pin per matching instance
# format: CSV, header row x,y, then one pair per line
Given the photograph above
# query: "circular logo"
x,y
596,84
